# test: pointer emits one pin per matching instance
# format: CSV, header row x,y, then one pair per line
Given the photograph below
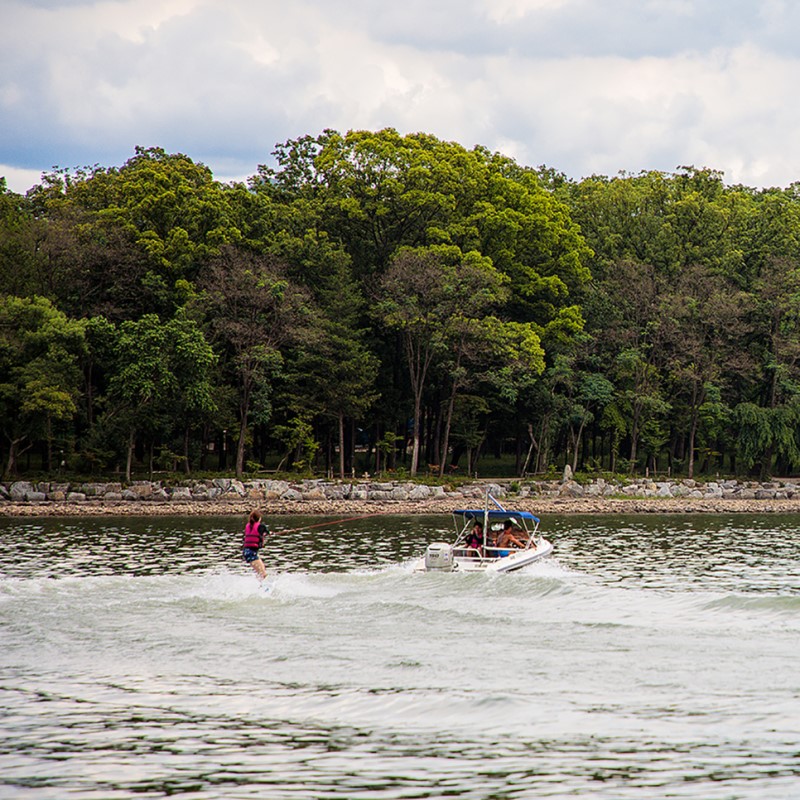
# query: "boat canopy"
x,y
496,513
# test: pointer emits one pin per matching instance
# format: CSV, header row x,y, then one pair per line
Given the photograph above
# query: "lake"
x,y
649,657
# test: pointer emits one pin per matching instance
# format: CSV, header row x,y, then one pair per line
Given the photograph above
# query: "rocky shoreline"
x,y
225,496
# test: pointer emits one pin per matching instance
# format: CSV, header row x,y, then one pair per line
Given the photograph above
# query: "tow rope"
x,y
320,524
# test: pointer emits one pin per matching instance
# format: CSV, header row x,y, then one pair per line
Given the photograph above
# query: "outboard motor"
x,y
439,557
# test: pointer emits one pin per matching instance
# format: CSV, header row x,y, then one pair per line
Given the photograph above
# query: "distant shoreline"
x,y
430,506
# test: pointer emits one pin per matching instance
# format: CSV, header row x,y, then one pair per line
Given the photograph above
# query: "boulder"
x,y
19,490
572,489
419,493
93,489
359,492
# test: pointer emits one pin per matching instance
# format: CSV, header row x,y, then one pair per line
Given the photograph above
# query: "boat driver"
x,y
507,537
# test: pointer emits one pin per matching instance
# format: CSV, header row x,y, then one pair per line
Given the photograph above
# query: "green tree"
x,y
254,313
419,295
40,352
704,322
160,377
142,230
378,192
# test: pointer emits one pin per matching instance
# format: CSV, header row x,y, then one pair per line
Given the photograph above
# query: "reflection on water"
x,y
650,657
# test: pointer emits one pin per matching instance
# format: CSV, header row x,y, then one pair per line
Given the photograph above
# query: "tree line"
x,y
376,301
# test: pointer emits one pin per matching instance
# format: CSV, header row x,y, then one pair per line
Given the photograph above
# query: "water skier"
x,y
255,531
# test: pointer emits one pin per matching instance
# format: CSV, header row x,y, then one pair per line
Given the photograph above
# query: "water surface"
x,y
650,657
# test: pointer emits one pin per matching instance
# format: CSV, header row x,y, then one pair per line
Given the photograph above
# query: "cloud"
x,y
579,85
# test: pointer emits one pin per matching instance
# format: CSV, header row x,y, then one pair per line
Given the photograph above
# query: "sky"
x,y
582,86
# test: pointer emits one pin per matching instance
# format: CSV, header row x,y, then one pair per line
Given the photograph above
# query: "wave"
x,y
546,590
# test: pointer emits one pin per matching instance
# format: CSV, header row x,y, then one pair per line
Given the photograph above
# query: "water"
x,y
650,657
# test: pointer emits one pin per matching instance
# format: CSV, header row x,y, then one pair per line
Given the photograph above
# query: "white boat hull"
x,y
515,560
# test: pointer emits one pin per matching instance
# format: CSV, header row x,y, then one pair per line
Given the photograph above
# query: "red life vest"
x,y
253,535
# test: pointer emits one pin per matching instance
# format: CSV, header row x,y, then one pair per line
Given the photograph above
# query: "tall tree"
x,y
704,324
254,312
143,230
160,377
40,351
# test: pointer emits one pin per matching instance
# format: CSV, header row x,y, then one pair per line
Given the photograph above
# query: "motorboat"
x,y
488,540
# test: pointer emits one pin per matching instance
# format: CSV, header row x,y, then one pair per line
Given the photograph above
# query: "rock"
x,y
142,490
19,490
336,491
572,489
567,476
181,493
75,497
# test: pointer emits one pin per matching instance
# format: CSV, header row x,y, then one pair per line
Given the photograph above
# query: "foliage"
x,y
40,350
386,301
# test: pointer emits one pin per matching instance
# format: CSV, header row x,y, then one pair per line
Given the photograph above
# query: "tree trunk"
x,y
11,464
416,439
446,435
341,445
634,439
240,446
578,438
129,459
524,469
187,469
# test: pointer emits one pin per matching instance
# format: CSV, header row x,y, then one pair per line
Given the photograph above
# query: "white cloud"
x,y
504,11
581,86
19,180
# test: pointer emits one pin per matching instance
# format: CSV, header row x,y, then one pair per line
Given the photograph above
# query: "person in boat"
x,y
255,531
508,537
474,540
